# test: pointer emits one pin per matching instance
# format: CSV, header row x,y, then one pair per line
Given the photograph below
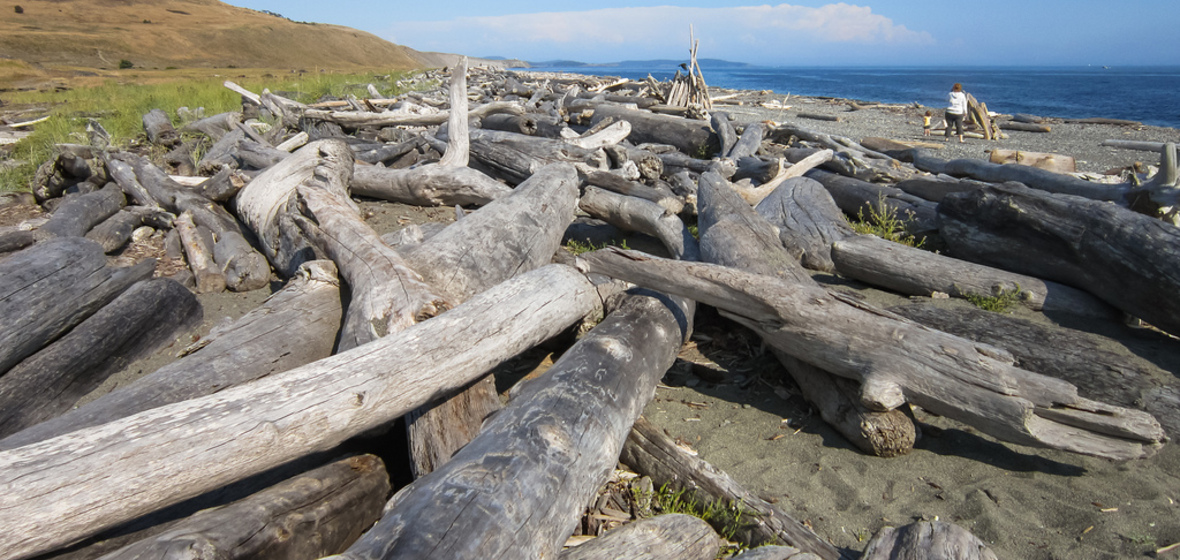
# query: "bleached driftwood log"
x,y
77,214
651,453
856,197
519,487
897,361
734,235
631,213
209,278
692,137
51,286
147,461
808,221
1129,260
144,318
656,538
914,272
295,326
308,516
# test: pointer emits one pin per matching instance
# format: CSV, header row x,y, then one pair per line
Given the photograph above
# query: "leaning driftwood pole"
x,y
54,494
518,489
898,361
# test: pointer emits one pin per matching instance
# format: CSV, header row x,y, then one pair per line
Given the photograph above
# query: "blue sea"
x,y
1150,95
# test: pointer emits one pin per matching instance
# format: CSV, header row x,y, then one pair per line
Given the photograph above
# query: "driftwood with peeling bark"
x,y
665,536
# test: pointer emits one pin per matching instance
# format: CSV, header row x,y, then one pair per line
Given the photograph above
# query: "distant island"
x,y
705,62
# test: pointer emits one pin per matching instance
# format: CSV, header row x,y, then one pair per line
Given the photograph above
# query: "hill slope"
x,y
185,33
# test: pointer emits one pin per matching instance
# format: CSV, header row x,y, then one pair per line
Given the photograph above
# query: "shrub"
x,y
882,220
125,64
1000,301
19,10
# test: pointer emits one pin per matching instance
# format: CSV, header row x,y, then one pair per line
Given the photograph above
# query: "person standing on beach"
x,y
955,111
926,123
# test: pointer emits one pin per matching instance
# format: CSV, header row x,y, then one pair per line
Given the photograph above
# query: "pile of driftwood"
x,y
275,418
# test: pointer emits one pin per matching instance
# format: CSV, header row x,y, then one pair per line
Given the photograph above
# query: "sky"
x,y
945,33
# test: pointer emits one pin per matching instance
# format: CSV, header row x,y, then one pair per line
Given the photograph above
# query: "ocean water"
x,y
1146,94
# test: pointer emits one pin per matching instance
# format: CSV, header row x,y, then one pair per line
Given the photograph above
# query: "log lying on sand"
x,y
52,286
515,157
56,494
519,487
656,538
856,197
897,361
733,234
77,214
1127,259
630,213
808,221
927,540
694,138
914,272
428,185
114,232
1065,354
144,318
295,326
651,453
1056,163
309,516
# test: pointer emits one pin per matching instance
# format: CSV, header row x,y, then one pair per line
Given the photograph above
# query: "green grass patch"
x,y
578,247
1001,301
885,222
726,519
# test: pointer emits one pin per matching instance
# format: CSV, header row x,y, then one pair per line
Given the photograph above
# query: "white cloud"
x,y
749,33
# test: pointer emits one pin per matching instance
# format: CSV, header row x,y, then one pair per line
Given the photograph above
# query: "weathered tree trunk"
x,y
520,124
144,318
1056,163
309,516
617,184
147,461
428,185
726,135
630,213
208,276
1127,259
159,129
294,327
518,489
774,552
217,125
733,234
1030,176
78,213
1025,127
649,165
936,189
677,535
262,203
1073,356
897,361
651,453
915,272
927,540
854,197
749,143
694,138
51,286
808,221
380,120
114,232
387,295
516,157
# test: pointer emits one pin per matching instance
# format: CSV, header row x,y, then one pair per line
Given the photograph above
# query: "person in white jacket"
x,y
955,111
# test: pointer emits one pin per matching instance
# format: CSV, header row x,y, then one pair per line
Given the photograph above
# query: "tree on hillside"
x,y
19,10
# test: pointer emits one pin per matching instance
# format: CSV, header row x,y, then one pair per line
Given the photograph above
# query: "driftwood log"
x,y
146,461
1127,259
208,276
733,234
1066,354
295,326
519,487
114,232
808,221
51,286
144,318
77,214
656,538
309,516
915,272
158,127
856,198
630,213
927,540
692,137
651,453
897,361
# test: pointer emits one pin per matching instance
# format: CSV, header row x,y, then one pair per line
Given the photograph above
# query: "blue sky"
x,y
875,32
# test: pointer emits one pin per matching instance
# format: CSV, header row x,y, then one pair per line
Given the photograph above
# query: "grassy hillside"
x,y
98,34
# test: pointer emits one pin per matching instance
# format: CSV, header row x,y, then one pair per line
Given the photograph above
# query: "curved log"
x,y
428,185
808,221
630,213
676,535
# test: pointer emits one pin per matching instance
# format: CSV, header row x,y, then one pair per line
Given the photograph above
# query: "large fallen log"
x,y
630,213
295,326
861,198
651,453
519,487
897,361
50,287
733,234
309,516
1127,259
808,221
914,272
158,127
143,319
114,232
149,460
656,538
427,185
694,138
77,214
516,157
1066,354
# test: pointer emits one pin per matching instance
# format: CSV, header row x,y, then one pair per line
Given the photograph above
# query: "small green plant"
x,y
883,221
577,247
125,64
1142,540
726,519
1000,301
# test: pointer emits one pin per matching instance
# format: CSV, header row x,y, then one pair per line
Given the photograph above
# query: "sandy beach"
x,y
741,412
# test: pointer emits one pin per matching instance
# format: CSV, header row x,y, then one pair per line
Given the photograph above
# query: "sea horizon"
x,y
1136,93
